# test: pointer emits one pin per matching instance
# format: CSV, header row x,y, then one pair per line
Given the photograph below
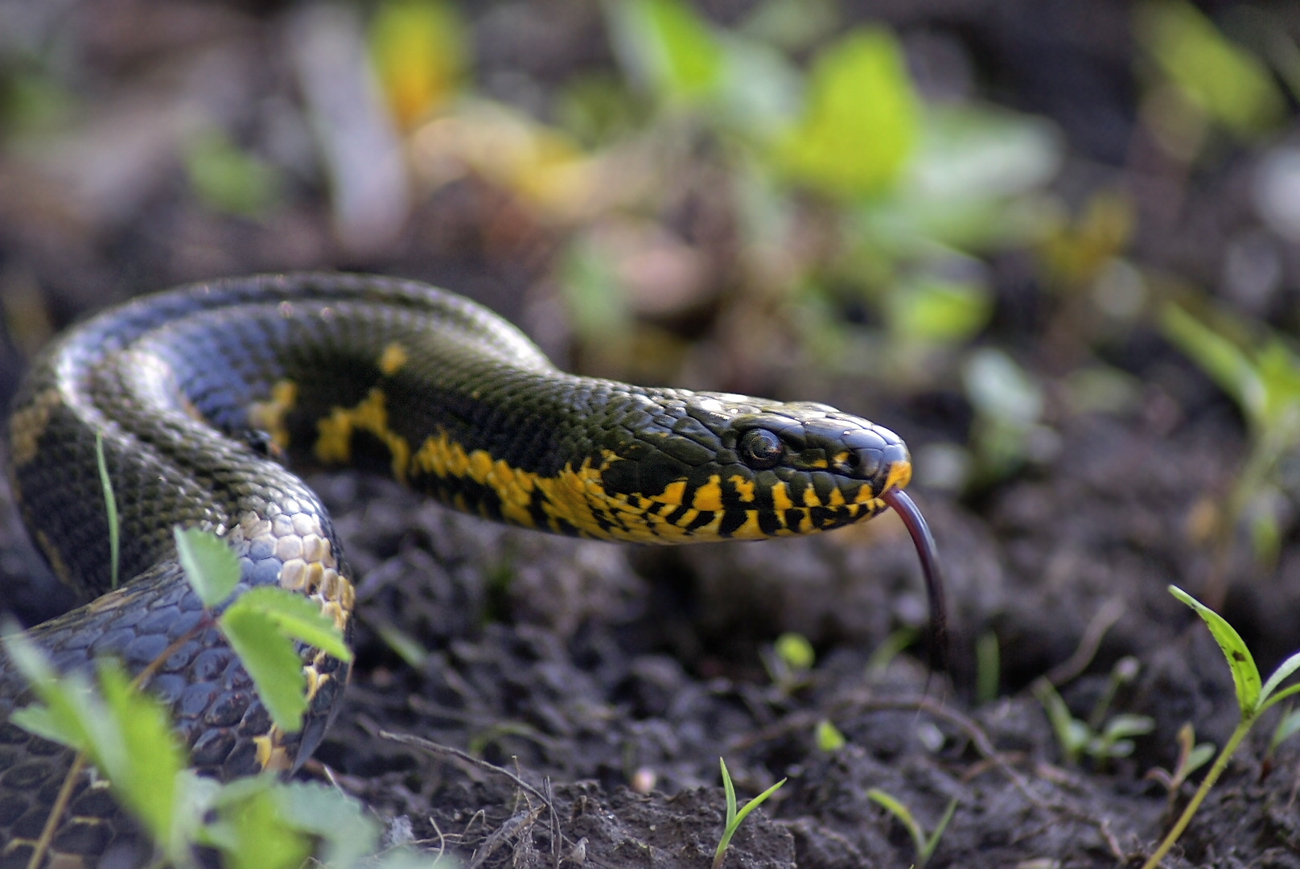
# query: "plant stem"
x,y
1220,764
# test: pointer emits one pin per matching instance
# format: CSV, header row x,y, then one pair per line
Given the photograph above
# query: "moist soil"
x,y
524,700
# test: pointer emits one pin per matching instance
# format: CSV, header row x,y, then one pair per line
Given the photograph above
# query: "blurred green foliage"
x,y
229,179
1219,79
1260,371
861,120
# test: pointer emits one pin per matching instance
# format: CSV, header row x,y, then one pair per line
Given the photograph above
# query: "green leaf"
x,y
273,663
938,310
1125,725
110,507
1245,675
1221,360
756,802
1289,724
1219,77
251,829
861,122
296,617
229,179
971,152
902,813
70,705
154,758
210,564
1284,671
667,46
327,812
829,737
795,650
730,789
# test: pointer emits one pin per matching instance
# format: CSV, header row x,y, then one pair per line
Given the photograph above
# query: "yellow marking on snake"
x,y
576,499
269,416
781,496
334,443
899,476
674,493
709,495
393,359
28,425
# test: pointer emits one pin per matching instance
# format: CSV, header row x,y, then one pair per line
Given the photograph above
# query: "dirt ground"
x,y
610,679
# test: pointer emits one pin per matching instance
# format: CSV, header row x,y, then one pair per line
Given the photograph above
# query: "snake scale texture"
x,y
205,395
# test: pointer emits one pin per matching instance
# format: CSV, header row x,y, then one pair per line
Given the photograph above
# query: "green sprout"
x,y
1262,375
1191,757
1100,738
829,737
988,667
1253,700
924,844
734,817
790,662
110,509
126,734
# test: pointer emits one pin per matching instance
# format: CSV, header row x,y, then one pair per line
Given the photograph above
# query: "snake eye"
x,y
761,449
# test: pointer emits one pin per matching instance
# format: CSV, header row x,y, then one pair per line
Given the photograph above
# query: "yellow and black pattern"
x,y
201,393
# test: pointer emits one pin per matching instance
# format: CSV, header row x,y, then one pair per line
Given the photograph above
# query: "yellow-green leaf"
x,y
210,564
1245,675
668,45
296,617
154,756
1222,79
861,119
273,663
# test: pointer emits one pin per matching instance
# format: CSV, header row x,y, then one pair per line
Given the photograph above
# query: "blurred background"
x,y
979,222
1055,244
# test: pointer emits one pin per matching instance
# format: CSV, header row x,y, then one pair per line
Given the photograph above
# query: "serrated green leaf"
x,y
253,833
154,758
37,719
271,661
862,119
1245,675
210,564
327,812
296,617
69,703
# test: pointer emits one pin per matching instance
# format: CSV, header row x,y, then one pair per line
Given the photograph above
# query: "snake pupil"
x,y
761,449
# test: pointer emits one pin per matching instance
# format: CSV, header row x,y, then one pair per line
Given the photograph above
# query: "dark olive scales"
x,y
197,392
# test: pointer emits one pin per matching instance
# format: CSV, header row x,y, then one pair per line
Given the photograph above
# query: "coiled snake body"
x,y
196,392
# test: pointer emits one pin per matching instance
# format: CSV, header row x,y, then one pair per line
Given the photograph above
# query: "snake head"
x,y
707,466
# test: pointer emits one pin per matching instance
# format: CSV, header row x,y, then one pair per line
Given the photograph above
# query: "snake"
x,y
201,402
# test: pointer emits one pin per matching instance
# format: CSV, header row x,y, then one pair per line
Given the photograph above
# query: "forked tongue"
x,y
907,510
